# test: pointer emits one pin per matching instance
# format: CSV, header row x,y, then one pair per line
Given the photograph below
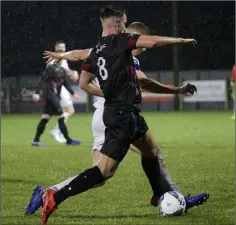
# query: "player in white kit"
x,y
66,98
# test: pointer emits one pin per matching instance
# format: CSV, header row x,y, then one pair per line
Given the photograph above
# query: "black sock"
x,y
63,129
40,128
152,170
83,182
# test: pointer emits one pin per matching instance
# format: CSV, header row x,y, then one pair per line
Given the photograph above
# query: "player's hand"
x,y
49,56
189,40
36,97
76,96
188,88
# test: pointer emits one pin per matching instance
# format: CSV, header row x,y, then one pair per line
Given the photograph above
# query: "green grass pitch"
x,y
198,149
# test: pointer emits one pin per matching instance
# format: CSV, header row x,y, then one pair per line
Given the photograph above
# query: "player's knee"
x,y
106,171
64,115
71,111
45,116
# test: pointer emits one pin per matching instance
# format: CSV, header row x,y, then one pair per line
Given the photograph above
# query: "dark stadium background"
x,y
30,27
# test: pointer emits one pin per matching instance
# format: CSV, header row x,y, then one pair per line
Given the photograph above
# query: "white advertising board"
x,y
207,91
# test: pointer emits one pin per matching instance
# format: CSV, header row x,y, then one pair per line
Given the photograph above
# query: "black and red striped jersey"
x,y
112,63
52,79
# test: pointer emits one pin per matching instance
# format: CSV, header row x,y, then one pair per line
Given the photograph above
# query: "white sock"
x,y
56,129
59,186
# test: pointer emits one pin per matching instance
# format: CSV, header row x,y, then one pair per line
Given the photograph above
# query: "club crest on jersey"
x,y
99,48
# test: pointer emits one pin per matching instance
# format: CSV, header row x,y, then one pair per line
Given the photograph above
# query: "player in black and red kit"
x,y
52,80
112,63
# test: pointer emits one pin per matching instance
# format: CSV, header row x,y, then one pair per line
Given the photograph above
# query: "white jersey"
x,y
99,102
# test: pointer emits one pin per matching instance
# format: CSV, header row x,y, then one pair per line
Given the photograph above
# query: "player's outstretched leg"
x,y
81,183
158,183
163,170
36,200
64,131
40,129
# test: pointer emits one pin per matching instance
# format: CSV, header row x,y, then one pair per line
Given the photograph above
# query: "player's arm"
x,y
68,87
86,78
145,41
74,55
88,86
153,86
39,86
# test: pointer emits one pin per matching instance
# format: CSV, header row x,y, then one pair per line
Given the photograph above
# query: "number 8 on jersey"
x,y
102,70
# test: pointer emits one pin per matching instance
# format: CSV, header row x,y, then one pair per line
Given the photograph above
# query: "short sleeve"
x,y
88,66
127,41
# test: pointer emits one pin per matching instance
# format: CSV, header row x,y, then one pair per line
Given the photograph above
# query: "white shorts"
x,y
66,99
98,129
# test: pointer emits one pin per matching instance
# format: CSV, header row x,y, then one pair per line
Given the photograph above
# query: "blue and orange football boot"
x,y
49,205
196,200
191,201
36,200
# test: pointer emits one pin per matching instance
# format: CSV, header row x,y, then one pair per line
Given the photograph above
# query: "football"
x,y
172,203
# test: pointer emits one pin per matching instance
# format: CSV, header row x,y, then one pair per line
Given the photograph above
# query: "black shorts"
x,y
53,106
122,129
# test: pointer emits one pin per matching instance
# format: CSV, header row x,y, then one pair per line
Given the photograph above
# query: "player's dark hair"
x,y
140,27
110,11
59,42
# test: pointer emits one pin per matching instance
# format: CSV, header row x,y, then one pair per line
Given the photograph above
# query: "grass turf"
x,y
198,149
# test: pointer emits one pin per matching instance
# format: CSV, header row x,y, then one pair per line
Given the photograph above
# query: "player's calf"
x,y
64,131
40,129
88,179
150,164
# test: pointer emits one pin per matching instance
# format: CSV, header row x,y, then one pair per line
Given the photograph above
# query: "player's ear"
x,y
117,23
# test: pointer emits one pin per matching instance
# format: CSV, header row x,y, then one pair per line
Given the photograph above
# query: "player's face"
x,y
121,24
137,51
60,48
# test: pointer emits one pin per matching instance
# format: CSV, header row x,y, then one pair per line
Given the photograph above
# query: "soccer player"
x,y
232,83
111,62
66,99
52,80
98,128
